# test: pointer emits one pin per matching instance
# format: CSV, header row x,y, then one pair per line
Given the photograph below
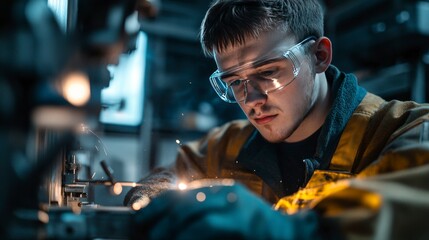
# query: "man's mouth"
x,y
264,119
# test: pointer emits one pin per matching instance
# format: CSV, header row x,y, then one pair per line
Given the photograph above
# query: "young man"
x,y
308,124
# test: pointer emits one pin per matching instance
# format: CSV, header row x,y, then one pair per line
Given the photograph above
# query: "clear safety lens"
x,y
265,75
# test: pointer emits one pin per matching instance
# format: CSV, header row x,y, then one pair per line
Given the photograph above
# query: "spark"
x,y
182,186
201,197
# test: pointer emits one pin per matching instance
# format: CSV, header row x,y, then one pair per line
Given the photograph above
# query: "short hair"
x,y
230,22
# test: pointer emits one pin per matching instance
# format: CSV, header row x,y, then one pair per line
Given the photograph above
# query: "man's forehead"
x,y
237,55
251,50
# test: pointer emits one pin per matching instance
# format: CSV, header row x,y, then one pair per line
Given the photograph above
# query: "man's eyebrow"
x,y
265,62
227,75
253,65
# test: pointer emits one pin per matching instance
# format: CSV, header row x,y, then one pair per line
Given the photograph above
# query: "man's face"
x,y
278,114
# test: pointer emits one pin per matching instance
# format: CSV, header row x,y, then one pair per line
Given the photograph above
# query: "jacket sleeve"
x,y
407,148
157,181
389,198
209,157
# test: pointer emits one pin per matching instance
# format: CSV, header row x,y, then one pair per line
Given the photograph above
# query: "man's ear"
x,y
323,54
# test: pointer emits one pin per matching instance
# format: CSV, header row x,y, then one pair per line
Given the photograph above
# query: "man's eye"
x,y
268,73
235,83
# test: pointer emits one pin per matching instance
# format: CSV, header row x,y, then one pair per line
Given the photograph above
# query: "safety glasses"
x,y
265,75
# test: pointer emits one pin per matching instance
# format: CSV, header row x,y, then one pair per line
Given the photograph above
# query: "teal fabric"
x,y
259,156
227,212
347,95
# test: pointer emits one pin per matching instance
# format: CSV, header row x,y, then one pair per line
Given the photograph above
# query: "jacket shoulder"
x,y
393,119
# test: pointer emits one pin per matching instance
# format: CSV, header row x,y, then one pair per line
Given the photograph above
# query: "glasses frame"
x,y
221,87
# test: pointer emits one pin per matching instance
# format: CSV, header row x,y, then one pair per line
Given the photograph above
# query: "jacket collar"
x,y
347,95
259,156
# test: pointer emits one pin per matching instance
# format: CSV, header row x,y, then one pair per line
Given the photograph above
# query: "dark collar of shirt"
x,y
290,161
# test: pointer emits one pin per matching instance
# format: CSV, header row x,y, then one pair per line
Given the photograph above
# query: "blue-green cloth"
x,y
223,212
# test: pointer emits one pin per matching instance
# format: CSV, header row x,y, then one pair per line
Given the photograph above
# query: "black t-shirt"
x,y
292,167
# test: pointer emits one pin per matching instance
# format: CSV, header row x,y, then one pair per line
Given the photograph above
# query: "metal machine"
x,y
48,151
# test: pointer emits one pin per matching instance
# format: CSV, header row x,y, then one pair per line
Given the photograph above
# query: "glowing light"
x,y
201,197
141,203
182,186
43,217
227,182
177,141
76,88
116,189
132,24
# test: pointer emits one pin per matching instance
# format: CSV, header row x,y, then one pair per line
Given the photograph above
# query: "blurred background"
x,y
133,86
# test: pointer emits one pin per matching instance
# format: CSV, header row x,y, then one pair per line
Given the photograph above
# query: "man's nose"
x,y
254,95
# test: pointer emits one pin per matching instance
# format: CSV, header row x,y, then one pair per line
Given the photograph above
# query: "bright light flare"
x,y
141,203
116,189
201,197
182,186
76,88
43,217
